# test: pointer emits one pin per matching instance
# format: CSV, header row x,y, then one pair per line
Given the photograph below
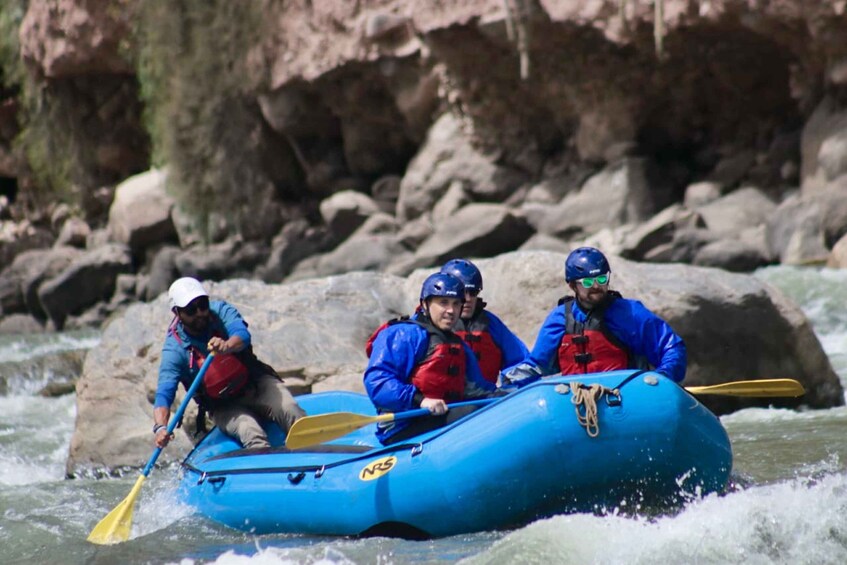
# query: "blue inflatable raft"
x,y
528,455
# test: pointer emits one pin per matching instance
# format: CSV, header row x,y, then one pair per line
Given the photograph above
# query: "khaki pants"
x,y
266,399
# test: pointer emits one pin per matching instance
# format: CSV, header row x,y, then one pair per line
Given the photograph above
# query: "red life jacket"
x,y
441,373
225,378
369,345
476,334
591,347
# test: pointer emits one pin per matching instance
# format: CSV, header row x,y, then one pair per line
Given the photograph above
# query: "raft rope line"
x,y
586,397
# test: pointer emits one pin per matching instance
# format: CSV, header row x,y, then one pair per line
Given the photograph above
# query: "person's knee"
x,y
280,404
248,431
287,414
256,443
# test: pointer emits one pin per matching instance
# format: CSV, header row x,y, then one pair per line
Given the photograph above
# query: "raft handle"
x,y
417,450
202,478
613,398
295,479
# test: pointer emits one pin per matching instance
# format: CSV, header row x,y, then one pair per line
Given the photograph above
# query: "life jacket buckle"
x,y
583,358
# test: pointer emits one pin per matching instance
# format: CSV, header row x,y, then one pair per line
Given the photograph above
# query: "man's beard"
x,y
198,325
593,299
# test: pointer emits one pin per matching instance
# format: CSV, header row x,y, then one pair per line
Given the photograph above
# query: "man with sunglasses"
x,y
492,342
598,330
238,390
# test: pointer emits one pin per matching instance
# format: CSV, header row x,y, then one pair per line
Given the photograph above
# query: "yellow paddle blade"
x,y
761,388
311,430
114,528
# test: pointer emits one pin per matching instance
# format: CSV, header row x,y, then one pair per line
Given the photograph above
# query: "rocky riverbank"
x,y
392,135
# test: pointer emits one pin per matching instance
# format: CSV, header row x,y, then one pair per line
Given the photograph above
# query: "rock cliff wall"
x,y
299,139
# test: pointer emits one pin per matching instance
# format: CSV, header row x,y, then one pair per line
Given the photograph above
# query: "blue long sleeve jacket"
x,y
174,366
644,333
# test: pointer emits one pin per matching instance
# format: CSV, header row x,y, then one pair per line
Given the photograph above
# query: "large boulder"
x,y
735,326
448,157
621,193
738,210
308,330
823,146
479,230
140,216
794,231
43,265
83,284
67,38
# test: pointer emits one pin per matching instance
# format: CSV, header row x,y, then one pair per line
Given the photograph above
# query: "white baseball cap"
x,y
184,290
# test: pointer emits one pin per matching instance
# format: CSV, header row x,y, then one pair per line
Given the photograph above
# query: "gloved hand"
x,y
519,375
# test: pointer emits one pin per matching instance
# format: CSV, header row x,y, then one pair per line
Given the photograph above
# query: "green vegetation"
x,y
194,82
11,14
52,146
190,56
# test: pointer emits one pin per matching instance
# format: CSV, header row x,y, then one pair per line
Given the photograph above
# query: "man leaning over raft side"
x,y
598,330
238,390
419,362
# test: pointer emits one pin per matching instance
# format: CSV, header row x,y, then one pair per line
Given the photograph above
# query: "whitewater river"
x,y
791,509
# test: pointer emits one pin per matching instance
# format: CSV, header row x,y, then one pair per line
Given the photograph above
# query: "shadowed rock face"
x,y
569,114
352,87
735,326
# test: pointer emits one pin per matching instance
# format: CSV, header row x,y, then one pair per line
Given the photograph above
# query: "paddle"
x,y
115,527
761,388
312,430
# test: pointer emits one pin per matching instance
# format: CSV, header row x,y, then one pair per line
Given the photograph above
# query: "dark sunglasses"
x,y
471,292
588,282
201,303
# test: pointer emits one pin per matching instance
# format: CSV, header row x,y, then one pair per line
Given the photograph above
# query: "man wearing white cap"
x,y
238,390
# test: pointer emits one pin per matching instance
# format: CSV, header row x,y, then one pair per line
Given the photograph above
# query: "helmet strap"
x,y
424,309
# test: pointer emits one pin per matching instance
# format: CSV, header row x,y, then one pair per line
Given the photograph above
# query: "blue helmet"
x,y
585,262
466,272
442,284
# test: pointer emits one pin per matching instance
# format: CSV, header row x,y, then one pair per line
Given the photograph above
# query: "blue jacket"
x,y
639,329
174,366
397,350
